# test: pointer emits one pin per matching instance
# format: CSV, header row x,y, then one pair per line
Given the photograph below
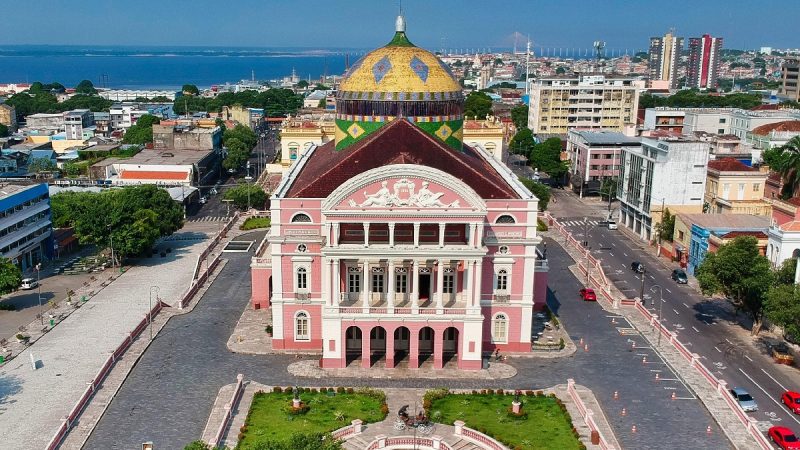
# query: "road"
x,y
709,327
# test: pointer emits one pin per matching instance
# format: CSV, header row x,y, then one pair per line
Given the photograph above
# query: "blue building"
x,y
25,225
709,231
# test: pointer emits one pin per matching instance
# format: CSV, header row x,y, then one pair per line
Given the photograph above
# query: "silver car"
x,y
745,400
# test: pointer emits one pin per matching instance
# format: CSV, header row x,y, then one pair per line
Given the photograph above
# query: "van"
x,y
28,284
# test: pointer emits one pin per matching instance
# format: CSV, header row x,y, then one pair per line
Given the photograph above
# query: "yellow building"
x,y
733,187
489,133
8,117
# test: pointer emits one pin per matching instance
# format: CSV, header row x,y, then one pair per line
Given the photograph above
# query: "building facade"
x,y
595,156
405,247
8,117
25,224
664,173
733,187
664,59
703,67
76,121
663,119
559,104
790,79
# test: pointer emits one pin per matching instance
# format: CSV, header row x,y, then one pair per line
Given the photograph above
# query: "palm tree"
x,y
789,167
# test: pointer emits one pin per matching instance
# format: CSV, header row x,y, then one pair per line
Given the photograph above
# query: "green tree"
x,y
3,130
541,191
42,165
785,273
321,87
197,445
740,273
190,89
546,156
238,153
85,87
221,124
302,84
609,188
522,143
789,167
561,70
791,104
519,115
10,276
783,307
666,228
247,194
478,104
142,132
299,441
242,133
187,104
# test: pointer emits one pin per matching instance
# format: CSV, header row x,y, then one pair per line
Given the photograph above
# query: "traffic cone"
x,y
580,342
624,412
657,376
633,429
586,347
616,395
708,429
644,359
673,396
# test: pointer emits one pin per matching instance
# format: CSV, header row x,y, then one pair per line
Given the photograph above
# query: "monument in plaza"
x,y
396,243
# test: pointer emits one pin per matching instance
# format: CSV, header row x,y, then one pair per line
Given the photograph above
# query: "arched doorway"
x,y
402,342
450,344
352,339
377,344
426,336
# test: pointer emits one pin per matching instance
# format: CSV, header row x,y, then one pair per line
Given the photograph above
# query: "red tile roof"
x,y
734,234
786,125
152,175
399,142
791,226
774,107
730,165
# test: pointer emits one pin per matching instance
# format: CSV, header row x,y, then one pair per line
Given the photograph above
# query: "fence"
x,y
476,437
229,407
588,415
348,431
692,358
76,410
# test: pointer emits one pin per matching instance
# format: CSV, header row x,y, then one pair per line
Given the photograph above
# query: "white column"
x,y
325,282
366,234
391,234
390,291
441,234
415,287
337,281
473,233
439,285
335,237
416,234
326,232
466,294
476,298
365,285
479,236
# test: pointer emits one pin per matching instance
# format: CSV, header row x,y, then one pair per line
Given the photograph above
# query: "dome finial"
x,y
400,24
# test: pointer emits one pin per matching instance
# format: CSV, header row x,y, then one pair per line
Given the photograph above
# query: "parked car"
x,y
792,401
203,200
612,225
28,284
213,191
680,276
784,437
744,399
588,295
637,267
781,353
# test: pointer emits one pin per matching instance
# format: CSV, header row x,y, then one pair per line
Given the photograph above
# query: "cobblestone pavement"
x,y
169,394
73,352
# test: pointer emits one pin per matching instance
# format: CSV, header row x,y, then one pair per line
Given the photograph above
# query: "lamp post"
x,y
586,247
641,291
150,311
111,236
660,309
39,287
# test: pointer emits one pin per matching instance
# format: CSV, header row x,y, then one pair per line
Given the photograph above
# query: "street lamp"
x,y
150,311
586,246
660,309
110,235
39,287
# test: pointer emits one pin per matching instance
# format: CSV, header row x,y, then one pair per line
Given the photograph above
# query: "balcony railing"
x,y
501,297
301,297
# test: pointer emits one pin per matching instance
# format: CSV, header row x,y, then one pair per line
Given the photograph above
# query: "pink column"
x,y
390,349
438,349
366,355
413,349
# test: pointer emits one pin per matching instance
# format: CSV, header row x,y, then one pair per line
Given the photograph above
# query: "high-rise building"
x,y
665,56
790,78
703,67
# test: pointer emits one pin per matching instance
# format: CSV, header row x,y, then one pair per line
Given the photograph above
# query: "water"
x,y
164,67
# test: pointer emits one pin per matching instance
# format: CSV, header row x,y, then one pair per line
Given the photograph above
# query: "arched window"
x,y
505,218
302,278
293,149
499,328
302,326
502,280
301,217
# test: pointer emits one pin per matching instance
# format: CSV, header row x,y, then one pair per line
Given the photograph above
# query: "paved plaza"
x,y
72,353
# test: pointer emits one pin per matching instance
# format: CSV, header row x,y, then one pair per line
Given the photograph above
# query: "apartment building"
x,y
8,116
595,156
663,119
790,79
76,121
124,116
559,104
662,173
733,187
702,69
735,121
25,226
664,59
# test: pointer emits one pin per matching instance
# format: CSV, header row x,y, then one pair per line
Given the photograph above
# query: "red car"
x,y
588,295
792,401
784,438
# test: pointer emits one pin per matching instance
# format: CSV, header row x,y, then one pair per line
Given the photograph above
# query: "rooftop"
x,y
606,137
786,125
726,221
729,165
166,157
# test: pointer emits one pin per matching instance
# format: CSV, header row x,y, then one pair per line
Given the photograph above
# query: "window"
x,y
499,328
503,249
756,187
680,235
721,120
721,131
354,282
448,282
377,282
302,248
300,217
505,218
401,283
502,280
302,278
302,330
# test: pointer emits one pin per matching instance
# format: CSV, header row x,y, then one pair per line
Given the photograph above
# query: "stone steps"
x,y
461,444
356,443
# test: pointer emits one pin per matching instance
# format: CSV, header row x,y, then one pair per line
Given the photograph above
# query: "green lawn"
x,y
251,223
269,419
545,427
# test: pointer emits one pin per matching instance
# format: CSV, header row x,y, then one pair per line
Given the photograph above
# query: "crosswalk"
x,y
208,219
577,223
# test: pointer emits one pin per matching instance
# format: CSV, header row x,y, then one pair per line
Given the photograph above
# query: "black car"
x,y
680,276
637,267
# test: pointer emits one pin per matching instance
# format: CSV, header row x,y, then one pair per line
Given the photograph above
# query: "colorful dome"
x,y
399,80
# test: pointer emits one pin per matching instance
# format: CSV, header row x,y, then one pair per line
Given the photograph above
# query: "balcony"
x,y
351,303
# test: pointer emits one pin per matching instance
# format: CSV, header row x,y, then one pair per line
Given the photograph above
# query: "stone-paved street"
x,y
170,392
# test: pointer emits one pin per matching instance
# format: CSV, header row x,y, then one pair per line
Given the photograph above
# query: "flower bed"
x,y
544,423
271,417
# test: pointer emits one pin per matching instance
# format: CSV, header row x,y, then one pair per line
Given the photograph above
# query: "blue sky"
x,y
367,24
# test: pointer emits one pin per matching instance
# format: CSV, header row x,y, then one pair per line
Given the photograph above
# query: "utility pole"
x,y
586,247
527,65
660,228
641,291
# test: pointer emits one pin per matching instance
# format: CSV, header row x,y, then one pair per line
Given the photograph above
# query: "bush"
x,y
528,393
540,225
350,390
197,445
561,344
340,390
385,409
490,391
302,410
268,329
277,389
253,223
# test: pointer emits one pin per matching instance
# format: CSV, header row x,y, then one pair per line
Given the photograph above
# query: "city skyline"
x,y
621,24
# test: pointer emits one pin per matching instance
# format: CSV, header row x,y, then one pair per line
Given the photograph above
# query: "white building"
x,y
732,120
664,173
76,121
125,115
125,95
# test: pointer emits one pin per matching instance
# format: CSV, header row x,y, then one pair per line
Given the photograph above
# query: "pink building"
x,y
595,156
396,243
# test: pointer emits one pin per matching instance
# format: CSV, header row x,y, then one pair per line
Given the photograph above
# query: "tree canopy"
x,y
522,143
43,101
546,156
190,89
85,87
519,115
666,228
257,198
690,98
478,104
142,132
741,274
299,441
10,276
275,102
540,190
3,130
786,160
134,216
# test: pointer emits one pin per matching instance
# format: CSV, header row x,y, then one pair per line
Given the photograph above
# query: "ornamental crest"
x,y
403,193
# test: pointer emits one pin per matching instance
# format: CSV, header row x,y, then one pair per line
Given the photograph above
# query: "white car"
x,y
612,225
203,200
28,284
